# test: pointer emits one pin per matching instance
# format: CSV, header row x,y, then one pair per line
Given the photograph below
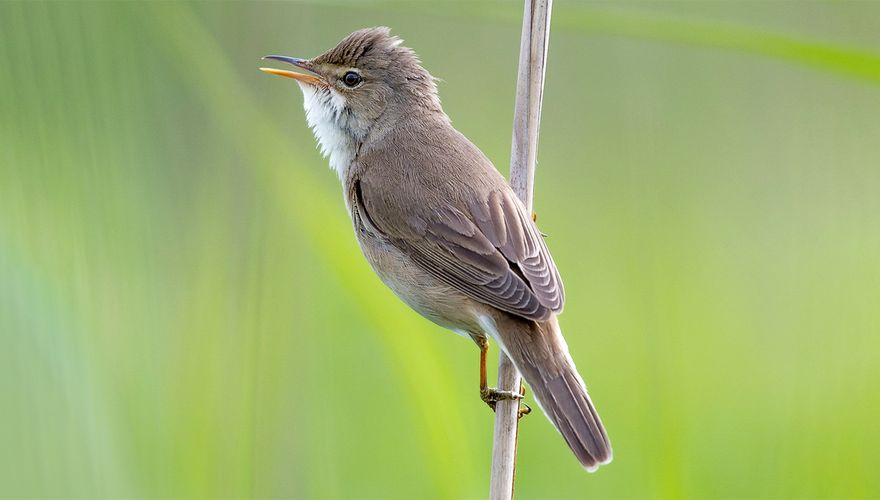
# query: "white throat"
x,y
327,117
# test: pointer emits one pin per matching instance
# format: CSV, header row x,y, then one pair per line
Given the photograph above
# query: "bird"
x,y
440,226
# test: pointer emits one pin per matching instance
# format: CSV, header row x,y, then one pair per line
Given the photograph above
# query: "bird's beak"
x,y
299,63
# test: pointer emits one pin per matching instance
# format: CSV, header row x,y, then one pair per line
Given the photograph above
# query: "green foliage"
x,y
184,311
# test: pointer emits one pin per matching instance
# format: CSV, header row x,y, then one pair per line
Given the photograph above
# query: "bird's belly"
x,y
425,294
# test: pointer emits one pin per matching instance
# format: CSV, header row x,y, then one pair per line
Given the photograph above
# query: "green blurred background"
x,y
184,312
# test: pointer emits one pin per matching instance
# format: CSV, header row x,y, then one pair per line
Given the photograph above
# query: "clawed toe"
x,y
491,396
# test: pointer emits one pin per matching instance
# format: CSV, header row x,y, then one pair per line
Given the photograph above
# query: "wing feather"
x,y
488,249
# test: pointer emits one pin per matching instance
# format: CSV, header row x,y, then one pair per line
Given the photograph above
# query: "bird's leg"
x,y
490,395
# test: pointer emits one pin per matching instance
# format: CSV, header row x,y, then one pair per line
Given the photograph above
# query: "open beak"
x,y
299,63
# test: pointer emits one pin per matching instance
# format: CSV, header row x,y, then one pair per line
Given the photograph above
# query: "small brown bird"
x,y
440,226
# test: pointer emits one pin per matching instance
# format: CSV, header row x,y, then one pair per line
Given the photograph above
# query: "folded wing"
x,y
488,248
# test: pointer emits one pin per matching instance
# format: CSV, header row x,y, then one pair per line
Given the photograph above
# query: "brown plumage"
x,y
438,223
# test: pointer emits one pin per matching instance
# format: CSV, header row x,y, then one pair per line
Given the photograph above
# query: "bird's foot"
x,y
491,396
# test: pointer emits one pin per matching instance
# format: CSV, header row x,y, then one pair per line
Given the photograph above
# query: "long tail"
x,y
541,355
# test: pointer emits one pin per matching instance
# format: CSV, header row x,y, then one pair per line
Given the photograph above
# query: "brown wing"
x,y
489,249
510,229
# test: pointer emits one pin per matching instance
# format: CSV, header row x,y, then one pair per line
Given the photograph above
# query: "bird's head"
x,y
368,76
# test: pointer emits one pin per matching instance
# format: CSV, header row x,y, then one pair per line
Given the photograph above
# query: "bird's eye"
x,y
351,79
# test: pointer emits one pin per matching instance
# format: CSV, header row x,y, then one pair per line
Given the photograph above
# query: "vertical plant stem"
x,y
526,122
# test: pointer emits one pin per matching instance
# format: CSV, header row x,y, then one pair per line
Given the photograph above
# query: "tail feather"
x,y
541,355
